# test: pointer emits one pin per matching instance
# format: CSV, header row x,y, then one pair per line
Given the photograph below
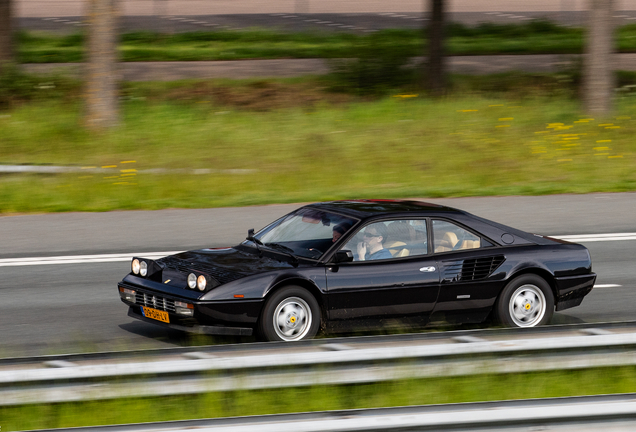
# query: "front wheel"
x,y
290,314
527,301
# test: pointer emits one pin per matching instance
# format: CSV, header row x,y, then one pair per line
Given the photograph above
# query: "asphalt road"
x,y
56,308
178,22
40,8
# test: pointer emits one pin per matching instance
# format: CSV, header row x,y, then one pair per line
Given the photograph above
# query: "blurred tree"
x,y
436,74
6,32
102,71
598,69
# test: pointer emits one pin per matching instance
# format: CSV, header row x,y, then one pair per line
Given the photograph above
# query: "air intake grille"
x,y
471,269
183,266
154,302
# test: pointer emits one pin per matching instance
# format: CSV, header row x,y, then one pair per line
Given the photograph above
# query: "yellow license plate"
x,y
155,314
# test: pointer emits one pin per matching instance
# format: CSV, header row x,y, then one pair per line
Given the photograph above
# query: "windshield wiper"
x,y
257,242
284,249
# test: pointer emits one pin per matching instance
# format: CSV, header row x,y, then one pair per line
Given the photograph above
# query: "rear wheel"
x,y
290,314
527,301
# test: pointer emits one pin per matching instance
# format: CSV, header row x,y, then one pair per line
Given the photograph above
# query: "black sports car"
x,y
347,265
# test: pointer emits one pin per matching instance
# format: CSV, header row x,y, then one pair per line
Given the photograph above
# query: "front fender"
x,y
257,287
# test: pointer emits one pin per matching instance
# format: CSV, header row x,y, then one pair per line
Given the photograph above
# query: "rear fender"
x,y
540,271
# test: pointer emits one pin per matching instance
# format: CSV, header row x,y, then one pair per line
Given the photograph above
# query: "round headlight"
x,y
192,280
143,268
135,266
201,282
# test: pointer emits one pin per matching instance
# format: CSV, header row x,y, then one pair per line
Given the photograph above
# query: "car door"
x,y
404,285
468,266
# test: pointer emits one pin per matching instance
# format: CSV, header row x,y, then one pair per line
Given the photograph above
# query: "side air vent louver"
x,y
470,269
185,267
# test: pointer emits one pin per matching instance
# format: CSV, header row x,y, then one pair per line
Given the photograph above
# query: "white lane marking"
x,y
607,286
80,259
597,237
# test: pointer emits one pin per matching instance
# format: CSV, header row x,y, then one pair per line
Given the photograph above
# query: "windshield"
x,y
306,233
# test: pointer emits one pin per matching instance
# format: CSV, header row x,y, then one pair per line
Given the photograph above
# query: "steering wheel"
x,y
315,251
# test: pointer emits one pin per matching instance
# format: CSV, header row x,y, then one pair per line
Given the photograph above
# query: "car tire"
x,y
290,314
527,301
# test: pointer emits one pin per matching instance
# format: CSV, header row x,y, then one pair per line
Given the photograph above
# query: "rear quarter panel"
x,y
472,301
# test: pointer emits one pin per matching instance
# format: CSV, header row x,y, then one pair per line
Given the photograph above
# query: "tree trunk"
x,y
436,64
6,32
102,72
598,71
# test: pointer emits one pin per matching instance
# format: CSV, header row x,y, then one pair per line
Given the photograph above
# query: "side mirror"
x,y
343,256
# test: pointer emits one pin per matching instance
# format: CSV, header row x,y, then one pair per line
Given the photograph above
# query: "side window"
x,y
389,239
448,237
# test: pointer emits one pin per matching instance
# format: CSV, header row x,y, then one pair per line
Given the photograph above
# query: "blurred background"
x,y
568,12
211,117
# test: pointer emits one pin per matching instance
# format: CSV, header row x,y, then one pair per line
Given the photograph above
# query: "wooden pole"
x,y
102,72
598,70
6,32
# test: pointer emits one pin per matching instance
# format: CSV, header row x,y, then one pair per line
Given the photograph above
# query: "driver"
x,y
370,248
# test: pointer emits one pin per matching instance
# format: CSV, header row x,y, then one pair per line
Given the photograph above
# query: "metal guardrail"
x,y
351,341
63,379
583,414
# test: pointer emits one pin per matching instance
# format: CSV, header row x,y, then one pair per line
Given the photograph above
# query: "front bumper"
x,y
233,317
133,312
572,289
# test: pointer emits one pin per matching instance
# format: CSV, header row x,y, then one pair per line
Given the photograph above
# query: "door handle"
x,y
428,269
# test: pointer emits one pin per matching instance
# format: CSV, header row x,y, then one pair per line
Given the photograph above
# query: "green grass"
x,y
318,398
530,38
266,142
535,37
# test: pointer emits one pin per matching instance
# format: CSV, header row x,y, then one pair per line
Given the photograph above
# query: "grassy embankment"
x,y
534,37
291,141
318,398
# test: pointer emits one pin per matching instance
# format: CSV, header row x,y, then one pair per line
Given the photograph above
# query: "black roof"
x,y
365,208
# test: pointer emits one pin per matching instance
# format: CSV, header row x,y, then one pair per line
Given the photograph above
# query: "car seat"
x,y
447,243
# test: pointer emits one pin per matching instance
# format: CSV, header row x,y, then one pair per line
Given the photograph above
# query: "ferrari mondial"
x,y
361,264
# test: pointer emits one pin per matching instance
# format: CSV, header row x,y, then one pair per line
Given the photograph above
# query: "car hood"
x,y
224,265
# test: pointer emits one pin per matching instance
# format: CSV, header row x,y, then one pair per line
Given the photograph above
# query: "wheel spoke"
x,y
288,332
286,309
302,315
281,320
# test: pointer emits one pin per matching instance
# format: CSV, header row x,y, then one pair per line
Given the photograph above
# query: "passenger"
x,y
370,248
339,230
